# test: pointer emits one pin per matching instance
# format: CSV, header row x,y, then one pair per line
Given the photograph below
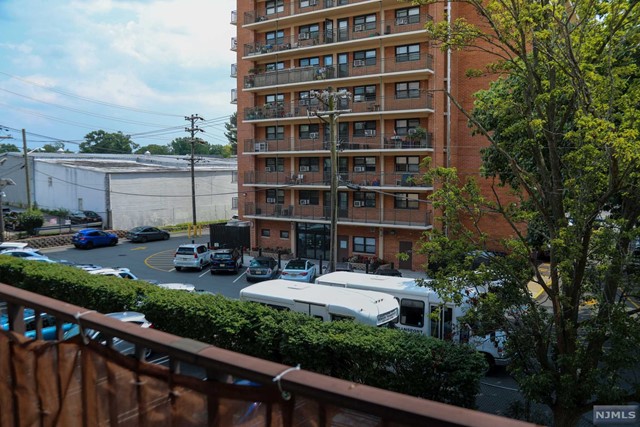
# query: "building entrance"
x,y
313,241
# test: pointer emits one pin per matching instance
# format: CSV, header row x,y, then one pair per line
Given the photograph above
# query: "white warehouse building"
x,y
126,190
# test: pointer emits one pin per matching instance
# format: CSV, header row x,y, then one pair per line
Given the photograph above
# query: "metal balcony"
x,y
234,70
234,96
294,8
234,17
367,181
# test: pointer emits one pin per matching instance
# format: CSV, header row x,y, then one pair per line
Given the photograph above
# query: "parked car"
x,y
195,255
27,254
14,245
123,273
262,268
185,287
84,217
89,238
124,347
48,324
388,272
226,260
301,270
145,233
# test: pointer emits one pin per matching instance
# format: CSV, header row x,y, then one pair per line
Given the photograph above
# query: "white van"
x,y
325,303
417,303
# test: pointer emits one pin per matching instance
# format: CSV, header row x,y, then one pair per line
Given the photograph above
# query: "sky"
x,y
71,67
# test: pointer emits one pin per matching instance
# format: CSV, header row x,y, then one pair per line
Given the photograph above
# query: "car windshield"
x,y
222,256
297,265
259,263
136,229
185,251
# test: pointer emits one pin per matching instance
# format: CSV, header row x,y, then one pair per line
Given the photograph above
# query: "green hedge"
x,y
391,359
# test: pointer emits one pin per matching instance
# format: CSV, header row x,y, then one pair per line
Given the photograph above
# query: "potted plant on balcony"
x,y
417,135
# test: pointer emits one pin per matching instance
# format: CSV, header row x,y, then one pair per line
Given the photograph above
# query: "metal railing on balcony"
x,y
234,70
351,143
293,8
357,68
234,44
346,215
234,96
357,32
234,17
76,383
367,180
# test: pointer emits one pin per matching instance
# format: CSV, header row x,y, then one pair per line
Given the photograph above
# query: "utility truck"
x,y
423,311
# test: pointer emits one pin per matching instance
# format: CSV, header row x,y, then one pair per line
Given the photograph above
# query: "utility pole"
x,y
331,100
192,131
26,169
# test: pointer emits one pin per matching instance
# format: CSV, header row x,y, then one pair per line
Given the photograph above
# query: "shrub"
x,y
30,220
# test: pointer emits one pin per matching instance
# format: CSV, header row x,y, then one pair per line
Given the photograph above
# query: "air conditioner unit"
x,y
358,98
271,199
359,27
261,146
358,169
358,203
369,132
358,63
412,131
268,169
303,36
402,21
304,201
304,168
313,135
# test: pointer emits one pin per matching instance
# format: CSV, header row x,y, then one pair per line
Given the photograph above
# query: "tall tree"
x,y
154,149
563,128
182,146
9,148
54,147
108,143
232,132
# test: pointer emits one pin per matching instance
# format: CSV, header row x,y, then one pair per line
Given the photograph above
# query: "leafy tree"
x,y
30,220
182,146
232,132
563,131
154,149
9,148
107,143
54,147
221,150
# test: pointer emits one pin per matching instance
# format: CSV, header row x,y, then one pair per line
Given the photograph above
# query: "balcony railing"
x,y
234,44
293,8
234,96
369,181
317,38
234,17
86,384
351,143
234,70
362,215
357,68
304,108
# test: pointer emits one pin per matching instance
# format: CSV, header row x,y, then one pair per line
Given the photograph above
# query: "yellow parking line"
x,y
168,254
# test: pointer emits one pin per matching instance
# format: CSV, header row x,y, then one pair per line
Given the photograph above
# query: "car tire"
x,y
89,245
178,268
212,272
143,239
165,237
200,266
113,242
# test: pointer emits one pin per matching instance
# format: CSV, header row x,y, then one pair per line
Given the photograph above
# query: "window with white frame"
x,y
364,199
366,57
402,126
364,93
274,66
366,164
275,37
406,201
365,245
308,31
365,22
407,164
407,90
409,52
274,98
309,62
275,132
409,15
274,6
274,164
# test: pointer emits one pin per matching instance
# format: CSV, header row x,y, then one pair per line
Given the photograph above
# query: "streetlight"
x,y
4,182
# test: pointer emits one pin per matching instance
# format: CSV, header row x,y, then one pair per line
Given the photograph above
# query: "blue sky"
x,y
69,67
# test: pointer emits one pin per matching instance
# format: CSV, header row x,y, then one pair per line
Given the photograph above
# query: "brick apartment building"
x,y
398,115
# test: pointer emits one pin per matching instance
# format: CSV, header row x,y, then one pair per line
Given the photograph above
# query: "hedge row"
x,y
381,357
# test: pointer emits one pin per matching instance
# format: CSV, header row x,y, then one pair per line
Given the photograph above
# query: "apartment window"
x,y
309,197
406,201
309,164
309,62
275,196
402,126
234,203
365,57
284,234
368,164
365,22
364,93
234,176
362,198
275,37
408,16
273,98
265,232
367,128
274,6
409,52
308,31
309,131
274,66
275,164
275,132
407,164
365,245
407,90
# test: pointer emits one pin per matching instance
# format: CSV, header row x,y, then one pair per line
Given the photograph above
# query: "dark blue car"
x,y
92,238
48,324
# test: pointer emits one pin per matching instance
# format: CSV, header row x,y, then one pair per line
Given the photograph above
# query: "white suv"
x,y
192,256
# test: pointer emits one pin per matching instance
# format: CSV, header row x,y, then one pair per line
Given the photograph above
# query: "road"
x,y
154,261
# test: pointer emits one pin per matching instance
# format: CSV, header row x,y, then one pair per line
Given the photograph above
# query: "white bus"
x,y
327,304
417,303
